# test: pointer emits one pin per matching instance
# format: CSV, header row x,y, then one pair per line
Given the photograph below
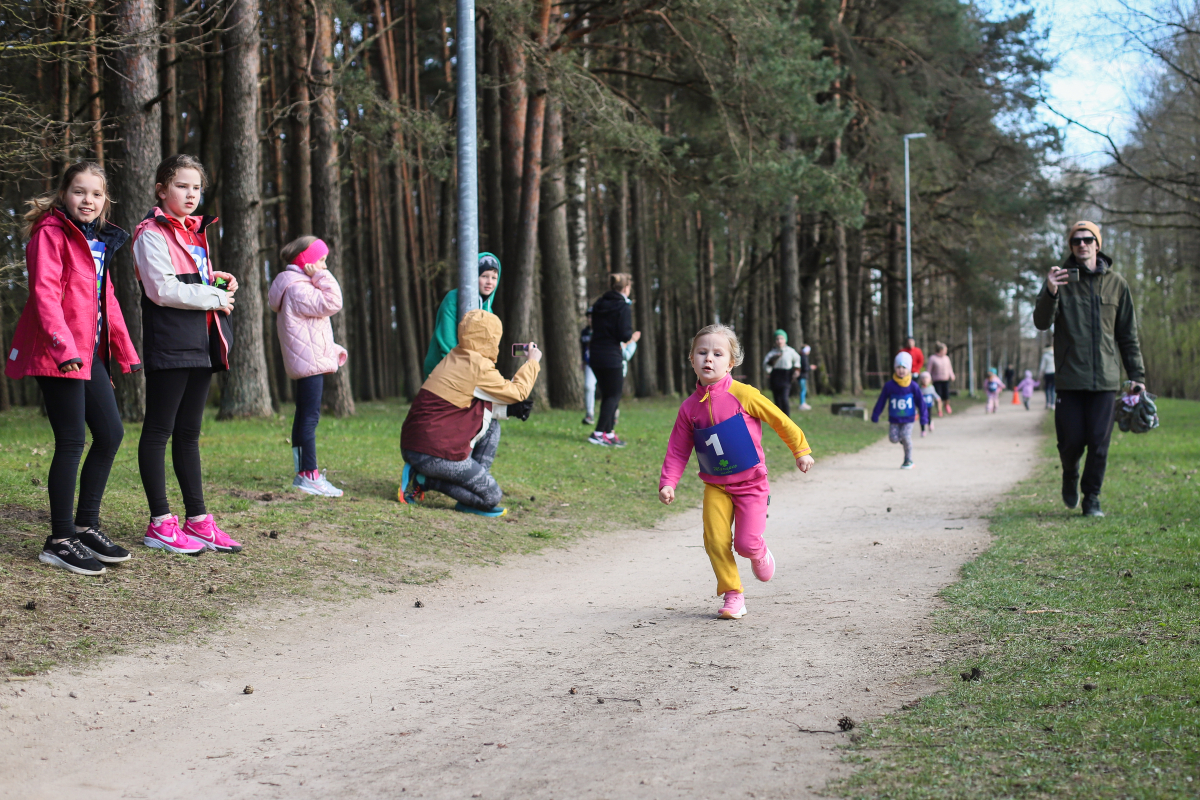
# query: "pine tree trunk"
x,y
493,158
577,228
895,289
300,200
96,110
168,86
513,114
246,392
132,83
842,299
560,323
327,192
643,308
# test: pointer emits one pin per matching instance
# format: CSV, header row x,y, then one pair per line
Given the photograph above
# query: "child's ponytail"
x,y
42,204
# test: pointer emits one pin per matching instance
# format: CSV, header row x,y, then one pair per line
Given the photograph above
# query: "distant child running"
x,y
722,421
932,400
1026,387
905,404
993,386
186,337
305,295
69,330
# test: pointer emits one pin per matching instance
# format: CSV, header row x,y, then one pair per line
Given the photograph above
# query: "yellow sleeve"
x,y
757,405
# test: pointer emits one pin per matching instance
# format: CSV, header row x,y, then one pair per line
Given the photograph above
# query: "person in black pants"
x,y
612,325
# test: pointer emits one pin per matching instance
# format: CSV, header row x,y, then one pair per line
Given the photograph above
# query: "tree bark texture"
x,y
247,392
327,191
842,295
132,83
559,318
300,201
643,307
513,115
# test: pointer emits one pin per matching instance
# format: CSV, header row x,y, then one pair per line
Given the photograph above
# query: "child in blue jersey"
x,y
903,399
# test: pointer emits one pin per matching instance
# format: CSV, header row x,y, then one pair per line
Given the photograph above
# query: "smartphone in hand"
x,y
519,349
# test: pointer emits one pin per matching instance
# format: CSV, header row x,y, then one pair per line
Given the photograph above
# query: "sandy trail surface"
x,y
597,671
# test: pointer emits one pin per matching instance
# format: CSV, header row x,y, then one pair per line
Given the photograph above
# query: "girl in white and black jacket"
x,y
186,338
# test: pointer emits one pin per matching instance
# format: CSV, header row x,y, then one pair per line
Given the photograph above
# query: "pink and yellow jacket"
x,y
710,405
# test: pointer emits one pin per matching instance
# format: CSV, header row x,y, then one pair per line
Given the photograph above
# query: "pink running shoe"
x,y
167,536
764,568
735,606
214,538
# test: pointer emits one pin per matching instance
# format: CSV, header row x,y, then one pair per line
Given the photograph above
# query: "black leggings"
x,y
72,405
781,386
304,424
1083,420
175,401
610,381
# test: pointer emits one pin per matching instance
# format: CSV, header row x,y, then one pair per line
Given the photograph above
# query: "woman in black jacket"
x,y
612,325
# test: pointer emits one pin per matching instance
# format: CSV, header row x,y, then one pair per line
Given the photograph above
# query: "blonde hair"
x,y
170,166
736,353
295,248
40,205
619,280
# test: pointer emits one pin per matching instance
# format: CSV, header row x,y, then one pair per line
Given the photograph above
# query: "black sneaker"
x,y
1070,490
71,555
1091,506
102,547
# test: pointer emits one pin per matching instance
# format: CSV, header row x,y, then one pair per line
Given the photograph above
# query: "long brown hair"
x,y
40,205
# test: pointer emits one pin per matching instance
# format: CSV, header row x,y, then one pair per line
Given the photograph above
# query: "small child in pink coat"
x,y
305,296
1026,387
722,421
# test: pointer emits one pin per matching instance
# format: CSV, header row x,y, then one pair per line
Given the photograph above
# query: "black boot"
x,y
1070,489
1091,506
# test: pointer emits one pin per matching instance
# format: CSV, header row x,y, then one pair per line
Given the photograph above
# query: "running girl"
x,y
994,386
305,296
70,327
904,404
186,338
722,420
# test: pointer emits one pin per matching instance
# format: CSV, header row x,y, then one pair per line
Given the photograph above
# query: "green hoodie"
x,y
445,328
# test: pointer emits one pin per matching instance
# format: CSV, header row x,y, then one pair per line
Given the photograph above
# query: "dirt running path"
x,y
469,696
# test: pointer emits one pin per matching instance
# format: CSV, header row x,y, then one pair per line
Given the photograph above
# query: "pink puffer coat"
x,y
304,306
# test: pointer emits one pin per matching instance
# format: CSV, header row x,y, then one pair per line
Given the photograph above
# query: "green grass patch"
x,y
1087,635
557,487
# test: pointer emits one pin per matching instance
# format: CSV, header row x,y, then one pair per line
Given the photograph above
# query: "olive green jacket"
x,y
1094,322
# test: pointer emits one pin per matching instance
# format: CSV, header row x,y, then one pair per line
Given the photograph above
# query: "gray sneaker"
x,y
320,486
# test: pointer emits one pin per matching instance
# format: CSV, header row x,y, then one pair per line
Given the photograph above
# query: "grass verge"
x,y
1086,633
557,487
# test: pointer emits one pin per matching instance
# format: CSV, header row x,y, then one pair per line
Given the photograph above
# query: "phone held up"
x,y
520,349
1072,273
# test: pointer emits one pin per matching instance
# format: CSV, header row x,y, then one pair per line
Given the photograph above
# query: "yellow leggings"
x,y
745,502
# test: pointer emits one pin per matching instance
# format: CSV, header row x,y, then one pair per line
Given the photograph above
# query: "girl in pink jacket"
x,y
70,330
305,296
722,421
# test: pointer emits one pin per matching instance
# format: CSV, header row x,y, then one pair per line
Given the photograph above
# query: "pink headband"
x,y
312,254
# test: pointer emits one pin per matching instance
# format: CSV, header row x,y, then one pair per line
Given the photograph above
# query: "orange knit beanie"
x,y
1084,225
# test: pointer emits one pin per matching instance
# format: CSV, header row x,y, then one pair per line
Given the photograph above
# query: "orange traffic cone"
x,y
1015,400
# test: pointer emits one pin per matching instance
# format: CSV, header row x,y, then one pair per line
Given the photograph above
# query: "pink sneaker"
x,y
764,568
167,536
214,538
735,606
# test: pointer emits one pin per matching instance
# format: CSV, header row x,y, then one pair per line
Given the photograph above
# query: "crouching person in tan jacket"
x,y
452,430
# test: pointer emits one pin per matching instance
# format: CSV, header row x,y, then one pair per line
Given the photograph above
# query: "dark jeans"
x,y
781,387
1084,420
1048,385
175,401
943,390
304,424
610,381
468,481
71,406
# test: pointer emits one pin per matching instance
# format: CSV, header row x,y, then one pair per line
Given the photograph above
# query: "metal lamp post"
x,y
908,228
468,161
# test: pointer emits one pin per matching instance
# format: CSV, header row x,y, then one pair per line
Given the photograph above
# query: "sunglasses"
x,y
1078,240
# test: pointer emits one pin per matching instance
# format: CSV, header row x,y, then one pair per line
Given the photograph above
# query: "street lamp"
x,y
468,173
908,227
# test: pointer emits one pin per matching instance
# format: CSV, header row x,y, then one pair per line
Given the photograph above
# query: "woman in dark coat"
x,y
612,325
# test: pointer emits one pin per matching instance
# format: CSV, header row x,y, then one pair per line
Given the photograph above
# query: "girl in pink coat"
x,y
305,295
722,421
69,331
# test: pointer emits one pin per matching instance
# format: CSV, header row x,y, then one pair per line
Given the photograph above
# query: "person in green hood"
x,y
445,329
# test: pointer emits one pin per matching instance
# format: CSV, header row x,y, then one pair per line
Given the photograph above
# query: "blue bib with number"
x,y
726,448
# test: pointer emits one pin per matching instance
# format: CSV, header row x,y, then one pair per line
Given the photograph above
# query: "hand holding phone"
x,y
519,349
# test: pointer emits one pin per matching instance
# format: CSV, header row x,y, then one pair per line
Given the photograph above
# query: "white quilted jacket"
x,y
304,306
